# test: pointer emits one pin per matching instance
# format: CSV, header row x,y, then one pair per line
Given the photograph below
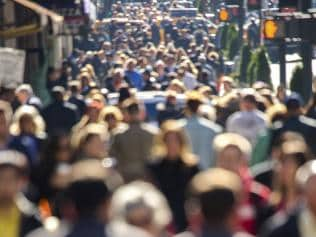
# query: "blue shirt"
x,y
135,79
201,133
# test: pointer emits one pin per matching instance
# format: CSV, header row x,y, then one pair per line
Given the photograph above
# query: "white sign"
x,y
12,63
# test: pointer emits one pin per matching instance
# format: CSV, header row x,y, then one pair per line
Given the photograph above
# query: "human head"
x,y
91,198
23,93
58,93
294,154
232,151
140,204
132,110
248,100
13,167
74,86
91,141
27,119
131,64
111,115
228,83
171,97
294,104
194,100
172,142
146,75
217,197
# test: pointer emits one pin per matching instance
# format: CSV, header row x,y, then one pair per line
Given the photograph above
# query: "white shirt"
x,y
189,81
247,123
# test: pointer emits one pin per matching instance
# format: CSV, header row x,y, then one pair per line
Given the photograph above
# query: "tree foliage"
x,y
263,71
232,41
259,68
297,79
245,58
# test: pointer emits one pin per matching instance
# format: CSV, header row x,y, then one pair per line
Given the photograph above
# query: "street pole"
x,y
282,57
307,56
241,21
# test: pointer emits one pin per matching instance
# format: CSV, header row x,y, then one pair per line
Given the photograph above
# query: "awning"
x,y
31,28
41,10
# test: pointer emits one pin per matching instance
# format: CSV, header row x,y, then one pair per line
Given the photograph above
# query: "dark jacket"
x,y
60,117
172,178
168,111
289,228
29,145
78,100
302,125
87,228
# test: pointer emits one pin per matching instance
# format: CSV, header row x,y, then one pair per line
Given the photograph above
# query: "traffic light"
x,y
223,15
254,4
274,29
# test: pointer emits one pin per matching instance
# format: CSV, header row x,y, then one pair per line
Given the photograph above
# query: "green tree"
x,y
232,46
251,69
297,80
245,58
263,71
259,67
223,36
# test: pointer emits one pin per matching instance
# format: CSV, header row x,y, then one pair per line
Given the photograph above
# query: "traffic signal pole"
x,y
282,58
307,57
241,21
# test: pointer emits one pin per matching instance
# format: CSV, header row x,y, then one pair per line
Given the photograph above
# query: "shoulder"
x,y
286,226
149,128
210,125
185,234
120,130
308,121
70,106
235,116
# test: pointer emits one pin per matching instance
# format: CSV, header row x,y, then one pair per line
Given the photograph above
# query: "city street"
x,y
157,118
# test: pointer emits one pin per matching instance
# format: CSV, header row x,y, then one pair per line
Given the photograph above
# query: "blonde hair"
x,y
159,149
79,137
34,114
111,110
90,69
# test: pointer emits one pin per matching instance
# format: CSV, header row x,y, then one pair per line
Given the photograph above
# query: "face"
x,y
230,158
27,124
93,114
131,66
227,86
22,97
10,185
287,171
173,144
111,121
64,151
95,147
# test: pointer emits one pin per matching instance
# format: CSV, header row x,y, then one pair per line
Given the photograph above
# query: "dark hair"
x,y
193,105
250,98
87,196
216,205
124,93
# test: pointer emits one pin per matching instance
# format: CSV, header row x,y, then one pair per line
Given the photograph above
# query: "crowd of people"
x,y
227,161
